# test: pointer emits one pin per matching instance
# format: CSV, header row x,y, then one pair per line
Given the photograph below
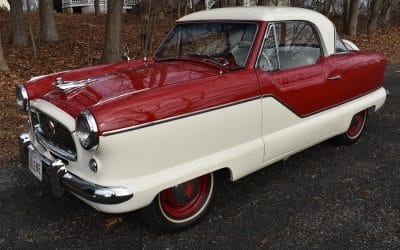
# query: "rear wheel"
x,y
181,206
355,129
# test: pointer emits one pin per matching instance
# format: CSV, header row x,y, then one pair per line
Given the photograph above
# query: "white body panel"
x,y
350,45
270,14
238,137
4,4
151,159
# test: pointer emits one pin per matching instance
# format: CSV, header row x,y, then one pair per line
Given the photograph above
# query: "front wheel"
x,y
181,206
355,129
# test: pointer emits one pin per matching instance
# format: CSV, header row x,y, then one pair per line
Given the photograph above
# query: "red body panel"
x,y
307,90
132,93
123,81
178,99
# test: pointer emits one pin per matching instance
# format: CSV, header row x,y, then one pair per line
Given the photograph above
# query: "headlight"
x,y
86,129
22,97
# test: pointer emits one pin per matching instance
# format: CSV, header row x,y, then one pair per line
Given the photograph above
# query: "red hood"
x,y
116,81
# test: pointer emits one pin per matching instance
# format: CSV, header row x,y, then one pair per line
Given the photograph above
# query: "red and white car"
x,y
232,89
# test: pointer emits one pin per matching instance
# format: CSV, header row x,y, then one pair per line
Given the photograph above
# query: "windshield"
x,y
226,44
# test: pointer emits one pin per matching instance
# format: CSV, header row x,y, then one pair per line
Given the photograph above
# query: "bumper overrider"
x,y
61,180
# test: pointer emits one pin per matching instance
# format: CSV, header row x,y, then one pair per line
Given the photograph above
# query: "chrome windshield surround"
x,y
167,37
53,148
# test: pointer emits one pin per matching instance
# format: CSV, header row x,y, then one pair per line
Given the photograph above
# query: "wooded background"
x,y
377,14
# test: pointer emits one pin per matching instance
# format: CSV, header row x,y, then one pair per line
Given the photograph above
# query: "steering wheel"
x,y
264,62
240,50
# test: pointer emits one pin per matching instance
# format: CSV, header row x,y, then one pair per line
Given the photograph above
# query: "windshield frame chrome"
x,y
256,23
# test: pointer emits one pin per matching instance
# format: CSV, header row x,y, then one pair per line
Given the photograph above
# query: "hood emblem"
x,y
69,85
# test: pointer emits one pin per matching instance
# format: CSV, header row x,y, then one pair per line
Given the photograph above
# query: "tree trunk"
x,y
153,14
97,7
374,16
345,15
142,33
264,2
186,7
283,3
352,25
330,8
179,8
298,3
3,64
48,30
112,43
18,24
385,14
28,10
239,2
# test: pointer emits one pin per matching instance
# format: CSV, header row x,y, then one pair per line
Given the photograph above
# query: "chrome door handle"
x,y
336,77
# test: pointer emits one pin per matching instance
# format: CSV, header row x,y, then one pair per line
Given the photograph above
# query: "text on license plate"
x,y
35,164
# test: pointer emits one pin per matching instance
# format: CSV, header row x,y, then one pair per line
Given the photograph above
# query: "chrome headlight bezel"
x,y
87,131
22,97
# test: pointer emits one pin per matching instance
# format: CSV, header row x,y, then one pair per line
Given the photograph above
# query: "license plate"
x,y
35,164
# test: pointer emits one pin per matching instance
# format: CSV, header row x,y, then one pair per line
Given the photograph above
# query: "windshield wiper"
x,y
197,55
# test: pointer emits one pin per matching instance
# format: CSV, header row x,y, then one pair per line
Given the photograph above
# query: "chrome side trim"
x,y
122,130
53,148
119,96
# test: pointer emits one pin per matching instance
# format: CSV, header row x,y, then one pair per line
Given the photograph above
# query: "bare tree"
x,y
264,2
329,7
385,14
97,7
19,36
283,3
3,64
28,8
351,27
345,14
274,2
154,8
374,12
112,44
178,8
48,30
298,3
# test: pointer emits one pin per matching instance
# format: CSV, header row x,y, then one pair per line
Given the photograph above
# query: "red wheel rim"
x,y
186,199
357,124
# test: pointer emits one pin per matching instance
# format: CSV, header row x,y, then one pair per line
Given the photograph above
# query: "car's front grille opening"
x,y
53,135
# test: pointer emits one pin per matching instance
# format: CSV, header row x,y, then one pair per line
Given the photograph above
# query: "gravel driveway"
x,y
325,197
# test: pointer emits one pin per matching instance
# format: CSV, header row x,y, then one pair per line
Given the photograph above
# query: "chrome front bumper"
x,y
60,179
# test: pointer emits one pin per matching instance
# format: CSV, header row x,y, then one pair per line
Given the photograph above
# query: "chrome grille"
x,y
53,135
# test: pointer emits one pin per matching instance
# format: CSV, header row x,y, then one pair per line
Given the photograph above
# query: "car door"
x,y
295,83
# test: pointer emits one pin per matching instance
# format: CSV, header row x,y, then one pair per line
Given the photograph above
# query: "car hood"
x,y
111,82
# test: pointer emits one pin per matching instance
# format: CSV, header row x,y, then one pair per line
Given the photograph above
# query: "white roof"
x,y
325,27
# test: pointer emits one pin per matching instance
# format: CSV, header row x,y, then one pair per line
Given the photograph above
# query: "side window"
x,y
269,55
339,45
298,44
